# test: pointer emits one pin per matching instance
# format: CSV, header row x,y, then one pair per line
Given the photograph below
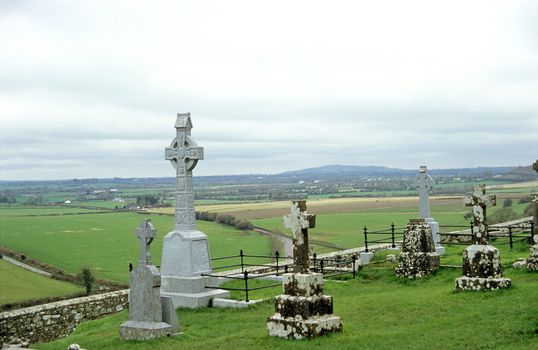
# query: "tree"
x,y
507,203
87,279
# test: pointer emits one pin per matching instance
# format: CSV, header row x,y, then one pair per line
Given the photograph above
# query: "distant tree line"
x,y
225,219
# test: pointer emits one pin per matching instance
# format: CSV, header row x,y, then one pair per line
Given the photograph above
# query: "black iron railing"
x,y
389,236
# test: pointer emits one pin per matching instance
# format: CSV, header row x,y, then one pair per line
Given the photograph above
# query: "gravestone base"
x,y
365,257
440,250
189,292
135,330
303,311
185,257
434,225
298,328
478,283
482,269
532,261
417,265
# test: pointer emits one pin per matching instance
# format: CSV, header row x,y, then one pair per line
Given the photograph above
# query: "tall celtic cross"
x,y
184,154
299,221
424,185
145,232
479,200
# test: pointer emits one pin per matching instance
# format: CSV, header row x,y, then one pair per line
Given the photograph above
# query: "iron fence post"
x,y
286,268
532,233
392,235
277,254
472,231
241,255
314,256
510,235
365,239
354,259
321,265
245,276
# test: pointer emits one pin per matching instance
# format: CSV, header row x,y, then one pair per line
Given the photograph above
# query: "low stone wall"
x,y
47,322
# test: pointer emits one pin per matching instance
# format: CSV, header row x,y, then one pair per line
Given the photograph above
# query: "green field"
x,y
20,285
107,242
36,211
378,311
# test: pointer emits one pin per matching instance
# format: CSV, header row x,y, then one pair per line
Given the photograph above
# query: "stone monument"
x,y
145,305
418,258
481,261
532,261
424,186
185,250
303,311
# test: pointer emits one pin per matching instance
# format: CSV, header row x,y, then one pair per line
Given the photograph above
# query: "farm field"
x,y
36,211
378,311
107,243
18,284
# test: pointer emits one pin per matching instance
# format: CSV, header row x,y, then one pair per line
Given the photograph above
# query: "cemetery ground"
x,y
379,311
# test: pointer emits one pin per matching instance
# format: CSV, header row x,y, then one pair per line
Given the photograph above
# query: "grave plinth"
x,y
532,261
146,313
481,261
185,255
303,311
418,258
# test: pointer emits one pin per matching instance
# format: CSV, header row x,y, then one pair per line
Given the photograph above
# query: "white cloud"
x,y
271,86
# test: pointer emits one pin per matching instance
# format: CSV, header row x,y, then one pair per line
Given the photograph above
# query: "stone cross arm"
x,y
535,166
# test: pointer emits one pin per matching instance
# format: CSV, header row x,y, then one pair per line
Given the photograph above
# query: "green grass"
x,y
378,310
107,242
20,285
25,211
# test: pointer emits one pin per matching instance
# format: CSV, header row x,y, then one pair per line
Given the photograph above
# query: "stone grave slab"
x,y
418,258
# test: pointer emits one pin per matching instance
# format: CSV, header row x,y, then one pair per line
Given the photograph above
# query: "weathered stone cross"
x,y
479,200
299,221
424,185
145,233
184,154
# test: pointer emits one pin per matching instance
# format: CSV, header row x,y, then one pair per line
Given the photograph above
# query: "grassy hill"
x,y
379,311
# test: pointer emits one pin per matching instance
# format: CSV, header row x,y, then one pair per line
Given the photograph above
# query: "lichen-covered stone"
x,y
303,284
481,269
417,265
418,258
291,306
532,261
478,283
298,328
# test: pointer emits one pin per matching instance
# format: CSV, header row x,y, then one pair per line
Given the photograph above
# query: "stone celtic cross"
x,y
424,185
145,232
184,154
479,200
299,221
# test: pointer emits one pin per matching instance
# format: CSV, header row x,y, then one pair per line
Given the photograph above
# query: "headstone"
x,y
145,307
185,254
303,311
532,261
481,261
418,258
424,186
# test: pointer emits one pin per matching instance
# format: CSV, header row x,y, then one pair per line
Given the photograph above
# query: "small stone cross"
x,y
424,185
145,233
299,221
479,200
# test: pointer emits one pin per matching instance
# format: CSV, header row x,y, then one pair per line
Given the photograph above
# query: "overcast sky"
x,y
92,88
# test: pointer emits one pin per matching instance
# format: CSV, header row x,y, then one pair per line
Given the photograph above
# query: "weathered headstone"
x,y
185,250
418,258
424,186
145,306
303,311
481,261
532,261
